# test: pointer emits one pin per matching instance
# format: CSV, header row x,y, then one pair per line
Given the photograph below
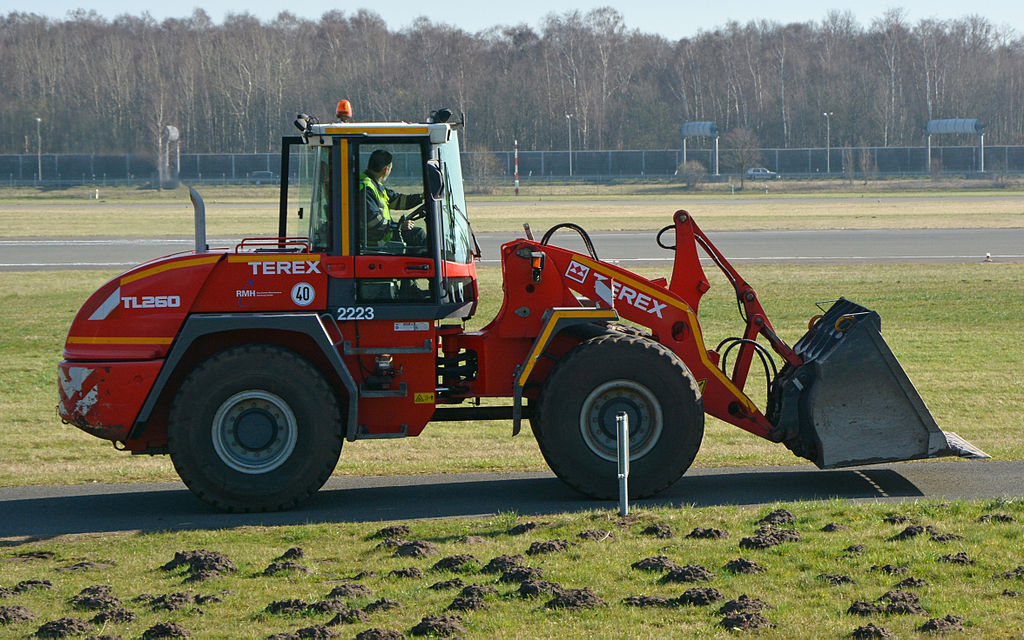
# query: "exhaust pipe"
x,y
851,403
200,220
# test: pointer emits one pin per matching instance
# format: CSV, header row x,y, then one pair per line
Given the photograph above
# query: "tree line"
x,y
113,85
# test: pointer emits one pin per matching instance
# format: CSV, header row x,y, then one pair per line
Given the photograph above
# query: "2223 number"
x,y
355,313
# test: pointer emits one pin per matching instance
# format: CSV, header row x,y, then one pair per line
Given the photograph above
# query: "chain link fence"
x,y
499,166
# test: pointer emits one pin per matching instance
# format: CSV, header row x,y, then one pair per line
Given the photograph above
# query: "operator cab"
x,y
419,263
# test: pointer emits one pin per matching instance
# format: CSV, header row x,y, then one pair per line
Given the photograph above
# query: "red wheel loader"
x,y
251,365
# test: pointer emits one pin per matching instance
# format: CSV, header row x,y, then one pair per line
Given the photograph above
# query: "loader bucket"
x,y
850,402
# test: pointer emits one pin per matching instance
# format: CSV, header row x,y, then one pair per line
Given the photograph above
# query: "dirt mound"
x,y
503,563
6,592
595,534
118,615
26,556
708,534
416,549
202,564
746,621
767,537
700,596
441,626
350,590
913,531
317,631
956,558
285,566
743,603
946,537
348,616
454,583
33,584
96,597
522,574
997,517
165,630
779,516
832,527
363,574
943,625
408,572
471,540
534,588
835,579
466,603
910,583
861,608
63,628
293,605
1013,573
855,549
394,531
900,602
648,601
548,546
460,562
575,599
659,530
1009,593
891,569
742,565
384,604
897,519
292,554
16,613
478,591
173,601
870,631
84,566
391,543
688,573
380,634
656,563
520,529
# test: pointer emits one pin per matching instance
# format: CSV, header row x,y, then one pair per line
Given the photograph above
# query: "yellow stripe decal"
x,y
691,319
545,336
346,250
398,130
180,264
119,340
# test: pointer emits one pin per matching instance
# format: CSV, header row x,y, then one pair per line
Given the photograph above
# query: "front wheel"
x,y
575,420
254,428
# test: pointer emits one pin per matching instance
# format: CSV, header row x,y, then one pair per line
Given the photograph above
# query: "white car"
x,y
760,173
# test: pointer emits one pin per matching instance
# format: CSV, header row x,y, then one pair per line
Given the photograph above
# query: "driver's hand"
x,y
406,225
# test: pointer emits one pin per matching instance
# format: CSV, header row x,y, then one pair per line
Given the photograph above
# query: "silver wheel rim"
x,y
598,418
254,432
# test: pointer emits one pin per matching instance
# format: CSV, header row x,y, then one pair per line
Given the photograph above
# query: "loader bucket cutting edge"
x,y
851,403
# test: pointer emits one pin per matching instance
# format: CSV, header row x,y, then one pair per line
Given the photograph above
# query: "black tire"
x,y
575,418
254,428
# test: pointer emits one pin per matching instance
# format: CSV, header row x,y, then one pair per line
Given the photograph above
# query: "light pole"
x,y
39,152
828,141
568,119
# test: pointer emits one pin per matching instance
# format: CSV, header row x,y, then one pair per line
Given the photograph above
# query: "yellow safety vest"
x,y
382,198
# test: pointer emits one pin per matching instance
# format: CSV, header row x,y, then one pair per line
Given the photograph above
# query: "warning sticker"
x,y
424,398
577,272
701,384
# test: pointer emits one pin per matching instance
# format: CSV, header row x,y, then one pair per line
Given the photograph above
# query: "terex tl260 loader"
x,y
252,365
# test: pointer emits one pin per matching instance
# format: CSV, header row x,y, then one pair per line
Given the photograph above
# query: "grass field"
x,y
233,213
955,328
809,583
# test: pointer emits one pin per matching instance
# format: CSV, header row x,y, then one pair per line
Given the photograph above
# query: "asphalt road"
x,y
630,248
31,513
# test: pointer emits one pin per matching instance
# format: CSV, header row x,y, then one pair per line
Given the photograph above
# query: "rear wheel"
x,y
254,428
575,417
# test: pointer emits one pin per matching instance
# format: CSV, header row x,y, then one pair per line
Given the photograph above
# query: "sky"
x,y
672,19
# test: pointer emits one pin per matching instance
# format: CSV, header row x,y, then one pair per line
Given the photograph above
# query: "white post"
x,y
622,442
568,119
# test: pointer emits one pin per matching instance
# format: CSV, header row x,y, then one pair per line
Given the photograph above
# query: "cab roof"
x,y
438,132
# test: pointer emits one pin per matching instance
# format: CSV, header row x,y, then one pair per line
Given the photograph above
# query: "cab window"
x,y
391,210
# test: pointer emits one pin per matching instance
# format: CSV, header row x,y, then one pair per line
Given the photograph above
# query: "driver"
x,y
378,201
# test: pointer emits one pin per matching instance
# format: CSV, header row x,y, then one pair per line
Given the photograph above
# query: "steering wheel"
x,y
418,213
